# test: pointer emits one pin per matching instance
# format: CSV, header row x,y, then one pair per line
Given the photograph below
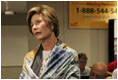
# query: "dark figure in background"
x,y
84,70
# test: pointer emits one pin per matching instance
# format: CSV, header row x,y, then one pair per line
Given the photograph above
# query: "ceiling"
x,y
17,6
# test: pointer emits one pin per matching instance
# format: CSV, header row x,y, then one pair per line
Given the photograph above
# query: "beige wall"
x,y
94,42
14,43
10,72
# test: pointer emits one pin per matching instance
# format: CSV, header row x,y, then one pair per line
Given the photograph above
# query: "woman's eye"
x,y
37,22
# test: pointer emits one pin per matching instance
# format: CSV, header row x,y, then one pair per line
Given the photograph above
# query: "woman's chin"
x,y
39,39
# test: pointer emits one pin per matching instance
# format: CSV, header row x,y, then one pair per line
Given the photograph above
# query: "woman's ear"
x,y
52,27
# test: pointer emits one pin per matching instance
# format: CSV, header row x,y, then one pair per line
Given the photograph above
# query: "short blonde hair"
x,y
48,14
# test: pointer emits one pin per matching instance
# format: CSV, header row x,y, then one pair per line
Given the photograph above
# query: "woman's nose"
x,y
35,27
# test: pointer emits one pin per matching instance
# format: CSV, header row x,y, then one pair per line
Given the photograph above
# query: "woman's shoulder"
x,y
32,53
70,50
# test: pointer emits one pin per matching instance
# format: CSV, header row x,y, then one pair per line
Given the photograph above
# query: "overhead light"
x,y
7,11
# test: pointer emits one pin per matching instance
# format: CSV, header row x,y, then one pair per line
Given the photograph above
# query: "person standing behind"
x,y
112,65
84,70
60,61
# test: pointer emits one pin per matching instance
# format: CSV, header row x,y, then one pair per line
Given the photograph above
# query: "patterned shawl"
x,y
61,65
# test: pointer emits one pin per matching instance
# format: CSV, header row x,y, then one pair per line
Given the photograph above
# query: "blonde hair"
x,y
48,14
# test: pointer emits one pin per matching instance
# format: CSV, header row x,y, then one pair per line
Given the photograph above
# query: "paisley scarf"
x,y
62,64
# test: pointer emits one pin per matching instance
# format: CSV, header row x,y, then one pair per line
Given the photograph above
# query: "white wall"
x,y
14,44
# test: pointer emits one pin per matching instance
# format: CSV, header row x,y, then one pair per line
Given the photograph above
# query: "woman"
x,y
60,61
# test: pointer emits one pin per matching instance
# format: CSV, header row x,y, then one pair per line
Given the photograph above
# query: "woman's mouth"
x,y
37,33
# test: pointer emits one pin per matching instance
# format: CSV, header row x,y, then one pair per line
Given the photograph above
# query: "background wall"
x,y
94,42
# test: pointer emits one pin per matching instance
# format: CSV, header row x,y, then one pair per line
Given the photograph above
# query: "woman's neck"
x,y
49,43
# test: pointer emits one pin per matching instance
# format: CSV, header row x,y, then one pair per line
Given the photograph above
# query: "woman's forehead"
x,y
36,16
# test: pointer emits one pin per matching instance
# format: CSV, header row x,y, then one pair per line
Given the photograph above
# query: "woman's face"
x,y
40,28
